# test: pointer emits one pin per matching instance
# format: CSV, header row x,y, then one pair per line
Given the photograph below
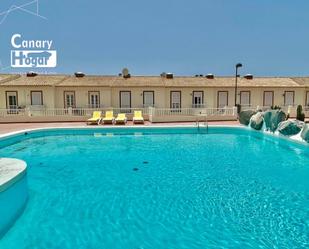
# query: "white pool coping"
x,y
296,138
113,127
11,170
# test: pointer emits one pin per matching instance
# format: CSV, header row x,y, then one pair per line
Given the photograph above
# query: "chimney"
x,y
169,76
31,74
248,76
210,76
79,74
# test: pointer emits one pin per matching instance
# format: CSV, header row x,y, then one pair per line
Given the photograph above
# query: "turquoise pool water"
x,y
177,188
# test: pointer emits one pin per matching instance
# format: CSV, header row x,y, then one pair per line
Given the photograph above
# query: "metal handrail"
x,y
197,123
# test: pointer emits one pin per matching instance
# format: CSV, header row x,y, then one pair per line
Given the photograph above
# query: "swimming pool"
x,y
160,188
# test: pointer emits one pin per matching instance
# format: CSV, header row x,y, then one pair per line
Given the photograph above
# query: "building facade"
x,y
64,91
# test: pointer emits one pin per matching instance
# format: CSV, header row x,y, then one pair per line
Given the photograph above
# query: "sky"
x,y
270,38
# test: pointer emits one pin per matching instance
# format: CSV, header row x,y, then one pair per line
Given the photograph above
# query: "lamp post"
x,y
238,65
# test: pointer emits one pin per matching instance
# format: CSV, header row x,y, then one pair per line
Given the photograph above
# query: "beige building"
x,y
65,91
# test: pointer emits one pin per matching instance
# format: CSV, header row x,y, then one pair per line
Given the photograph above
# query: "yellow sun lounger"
x,y
138,117
121,118
109,118
96,118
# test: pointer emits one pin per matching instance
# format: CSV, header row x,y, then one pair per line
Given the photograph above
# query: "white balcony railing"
x,y
226,111
86,112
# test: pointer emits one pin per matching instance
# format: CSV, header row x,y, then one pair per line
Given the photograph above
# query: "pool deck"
x,y
7,128
11,170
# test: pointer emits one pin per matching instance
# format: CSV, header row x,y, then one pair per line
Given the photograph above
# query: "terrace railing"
x,y
12,111
86,112
41,112
226,111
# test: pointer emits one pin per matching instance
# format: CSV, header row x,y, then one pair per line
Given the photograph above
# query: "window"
x,y
148,98
222,99
36,97
69,99
94,99
11,102
11,99
245,98
175,99
197,99
125,101
307,98
289,98
268,98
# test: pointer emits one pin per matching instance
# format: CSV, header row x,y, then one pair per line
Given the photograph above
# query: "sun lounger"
x,y
121,118
96,118
109,118
138,117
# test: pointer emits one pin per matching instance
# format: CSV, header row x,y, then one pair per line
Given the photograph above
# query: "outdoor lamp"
x,y
238,65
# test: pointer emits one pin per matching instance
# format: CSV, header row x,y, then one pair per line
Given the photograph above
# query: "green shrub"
x,y
276,107
300,115
238,108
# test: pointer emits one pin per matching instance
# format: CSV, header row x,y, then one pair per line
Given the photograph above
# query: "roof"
x,y
7,77
149,81
230,82
157,81
39,80
140,81
303,81
267,82
87,81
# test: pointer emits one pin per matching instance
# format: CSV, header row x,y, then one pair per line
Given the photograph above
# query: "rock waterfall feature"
x,y
275,121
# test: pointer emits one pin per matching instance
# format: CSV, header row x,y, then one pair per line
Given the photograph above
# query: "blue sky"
x,y
186,37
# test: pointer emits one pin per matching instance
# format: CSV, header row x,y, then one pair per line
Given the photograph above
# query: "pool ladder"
x,y
205,124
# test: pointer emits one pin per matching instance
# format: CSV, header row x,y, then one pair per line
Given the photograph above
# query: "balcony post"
x,y
70,111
